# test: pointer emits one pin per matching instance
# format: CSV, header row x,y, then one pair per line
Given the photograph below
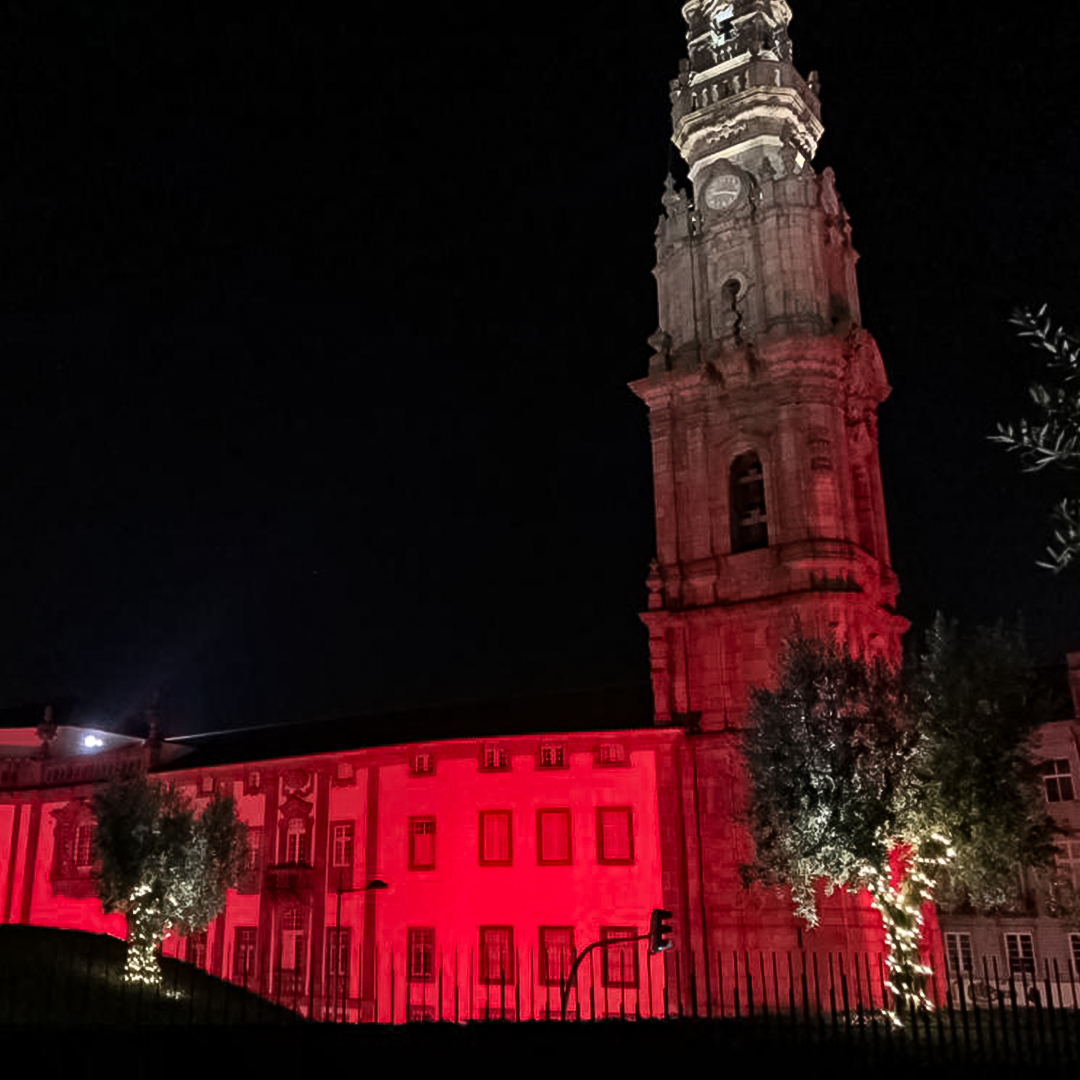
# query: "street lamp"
x,y
374,885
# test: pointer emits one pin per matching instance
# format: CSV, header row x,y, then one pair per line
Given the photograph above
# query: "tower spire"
x,y
764,386
738,96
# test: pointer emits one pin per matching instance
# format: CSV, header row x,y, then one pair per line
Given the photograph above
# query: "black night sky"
x,y
317,326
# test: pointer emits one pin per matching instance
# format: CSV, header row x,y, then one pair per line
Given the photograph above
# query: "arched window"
x,y
749,527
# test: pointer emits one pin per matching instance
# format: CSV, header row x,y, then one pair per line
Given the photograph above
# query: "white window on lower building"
x,y
1068,860
1057,777
959,955
1020,950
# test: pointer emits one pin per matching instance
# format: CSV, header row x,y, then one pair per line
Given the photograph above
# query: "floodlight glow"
x,y
92,742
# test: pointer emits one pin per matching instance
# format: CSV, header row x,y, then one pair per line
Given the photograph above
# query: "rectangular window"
x,y
337,963
1020,949
1068,860
552,837
422,764
496,843
244,955
614,834
253,855
421,843
552,756
497,955
958,951
296,841
84,847
556,954
1057,776
619,963
1074,949
207,784
420,944
341,845
346,774
292,955
195,949
610,754
495,759
253,782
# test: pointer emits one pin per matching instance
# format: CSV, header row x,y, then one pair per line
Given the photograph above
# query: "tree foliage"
x,y
162,866
831,757
855,768
980,705
1053,436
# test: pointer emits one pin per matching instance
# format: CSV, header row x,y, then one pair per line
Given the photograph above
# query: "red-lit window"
x,y
296,841
420,945
337,963
496,842
291,957
195,949
422,764
253,782
244,954
207,784
614,834
1057,776
421,843
497,955
556,954
341,845
552,836
495,759
84,847
619,963
552,756
611,755
253,855
346,774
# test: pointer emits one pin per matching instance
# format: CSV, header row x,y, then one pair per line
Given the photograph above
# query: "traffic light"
x,y
659,931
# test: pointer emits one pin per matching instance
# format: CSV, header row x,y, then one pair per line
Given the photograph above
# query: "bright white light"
x,y
92,742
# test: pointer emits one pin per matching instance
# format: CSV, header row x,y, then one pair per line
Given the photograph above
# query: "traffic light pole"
x,y
565,993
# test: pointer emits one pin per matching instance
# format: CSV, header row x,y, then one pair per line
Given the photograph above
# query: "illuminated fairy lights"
x,y
901,907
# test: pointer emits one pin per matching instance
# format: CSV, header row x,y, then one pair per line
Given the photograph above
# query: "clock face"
x,y
722,191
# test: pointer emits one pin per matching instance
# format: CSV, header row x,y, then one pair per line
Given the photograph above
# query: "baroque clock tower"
x,y
763,394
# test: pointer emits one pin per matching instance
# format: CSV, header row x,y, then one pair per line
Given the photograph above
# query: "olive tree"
x,y
162,865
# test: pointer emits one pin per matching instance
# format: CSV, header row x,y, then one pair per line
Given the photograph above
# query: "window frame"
x,y
1021,971
1051,774
622,760
564,813
556,748
958,948
427,974
485,978
545,977
509,815
414,821
601,857
619,933
415,760
503,756
243,973
745,536
332,854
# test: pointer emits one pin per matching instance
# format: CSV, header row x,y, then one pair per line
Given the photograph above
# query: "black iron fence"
x,y
988,1011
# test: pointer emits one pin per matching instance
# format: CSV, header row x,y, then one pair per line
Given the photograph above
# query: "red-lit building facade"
x,y
509,850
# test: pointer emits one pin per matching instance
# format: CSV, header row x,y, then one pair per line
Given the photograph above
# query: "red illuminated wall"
x,y
290,910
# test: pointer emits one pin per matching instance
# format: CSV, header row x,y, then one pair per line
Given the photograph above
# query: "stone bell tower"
x,y
764,386
763,394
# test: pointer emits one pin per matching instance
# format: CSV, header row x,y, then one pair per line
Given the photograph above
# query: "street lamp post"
x,y
375,885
